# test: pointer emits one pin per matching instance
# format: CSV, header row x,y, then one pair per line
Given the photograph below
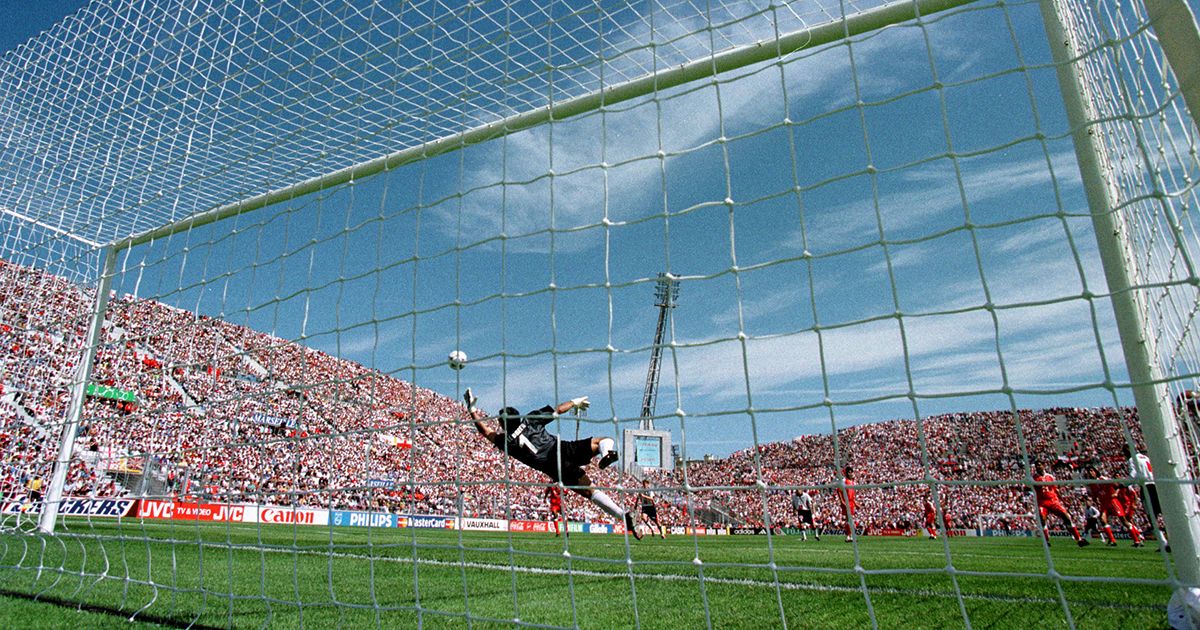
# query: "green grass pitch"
x,y
249,576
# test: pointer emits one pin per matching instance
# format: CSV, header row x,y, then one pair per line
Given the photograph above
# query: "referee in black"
x,y
649,510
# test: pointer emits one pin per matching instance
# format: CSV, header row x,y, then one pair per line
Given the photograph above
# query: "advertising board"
x,y
341,518
289,516
426,522
104,508
485,524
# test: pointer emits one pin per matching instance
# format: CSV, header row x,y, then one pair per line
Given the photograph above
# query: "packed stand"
x,y
218,411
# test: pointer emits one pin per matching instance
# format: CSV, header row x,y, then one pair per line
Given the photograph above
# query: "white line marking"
x,y
664,577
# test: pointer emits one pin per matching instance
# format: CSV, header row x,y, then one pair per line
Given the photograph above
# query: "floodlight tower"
x,y
666,292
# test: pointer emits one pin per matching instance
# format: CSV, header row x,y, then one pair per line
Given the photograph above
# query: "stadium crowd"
x,y
890,464
191,406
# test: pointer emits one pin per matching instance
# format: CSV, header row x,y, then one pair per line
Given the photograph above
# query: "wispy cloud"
x,y
1052,343
907,257
927,193
1042,346
760,306
506,203
359,343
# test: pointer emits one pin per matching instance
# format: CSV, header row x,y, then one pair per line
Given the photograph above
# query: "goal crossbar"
x,y
50,228
725,61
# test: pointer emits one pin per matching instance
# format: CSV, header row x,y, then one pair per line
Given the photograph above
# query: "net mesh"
x,y
890,286
129,116
1150,150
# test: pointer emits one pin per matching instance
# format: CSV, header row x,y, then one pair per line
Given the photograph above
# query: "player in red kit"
x,y
930,519
1106,495
847,502
1049,503
1129,500
554,496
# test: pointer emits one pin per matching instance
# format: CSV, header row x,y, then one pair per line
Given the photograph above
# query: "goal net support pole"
x,y
70,429
1163,442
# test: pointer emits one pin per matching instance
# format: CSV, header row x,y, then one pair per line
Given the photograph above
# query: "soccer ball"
x,y
457,360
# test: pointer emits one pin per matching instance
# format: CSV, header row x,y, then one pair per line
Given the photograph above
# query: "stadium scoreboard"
x,y
648,448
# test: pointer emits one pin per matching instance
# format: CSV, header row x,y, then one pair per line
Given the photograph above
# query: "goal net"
x,y
925,253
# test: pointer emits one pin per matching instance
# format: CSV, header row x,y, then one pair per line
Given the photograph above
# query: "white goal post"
x,y
1155,403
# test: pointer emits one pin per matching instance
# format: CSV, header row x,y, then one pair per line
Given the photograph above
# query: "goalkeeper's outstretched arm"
x,y
563,407
573,404
491,434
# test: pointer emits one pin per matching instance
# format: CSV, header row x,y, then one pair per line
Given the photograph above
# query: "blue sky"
x,y
21,20
980,208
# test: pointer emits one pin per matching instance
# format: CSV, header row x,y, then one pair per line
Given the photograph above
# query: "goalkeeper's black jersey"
x,y
530,444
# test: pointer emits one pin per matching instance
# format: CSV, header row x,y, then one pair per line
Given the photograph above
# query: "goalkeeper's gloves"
x,y
470,399
580,403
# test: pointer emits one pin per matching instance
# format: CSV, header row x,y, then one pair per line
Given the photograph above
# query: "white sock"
x,y
606,504
606,445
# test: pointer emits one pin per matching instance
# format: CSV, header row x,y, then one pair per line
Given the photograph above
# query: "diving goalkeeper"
x,y
524,438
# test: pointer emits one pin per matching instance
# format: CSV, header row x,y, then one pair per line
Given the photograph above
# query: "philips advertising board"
x,y
341,518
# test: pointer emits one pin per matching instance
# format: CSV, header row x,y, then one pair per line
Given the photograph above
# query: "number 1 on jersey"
x,y
522,440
